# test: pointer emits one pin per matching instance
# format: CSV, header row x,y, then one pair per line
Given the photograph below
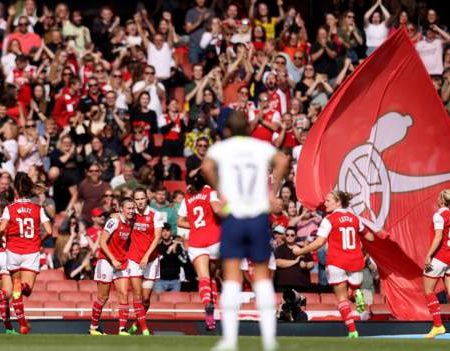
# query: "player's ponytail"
x,y
444,196
23,185
343,197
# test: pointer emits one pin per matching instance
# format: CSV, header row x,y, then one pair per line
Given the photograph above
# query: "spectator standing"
x,y
32,148
161,204
431,47
375,26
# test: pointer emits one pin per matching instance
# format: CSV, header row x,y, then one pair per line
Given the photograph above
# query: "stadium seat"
x,y
43,296
60,304
51,274
33,304
62,285
328,298
378,299
320,307
314,278
85,305
195,297
174,297
173,185
161,315
311,298
199,315
75,296
40,285
87,285
380,312
249,306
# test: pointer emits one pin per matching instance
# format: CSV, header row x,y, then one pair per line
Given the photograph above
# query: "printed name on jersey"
x,y
343,219
198,196
21,210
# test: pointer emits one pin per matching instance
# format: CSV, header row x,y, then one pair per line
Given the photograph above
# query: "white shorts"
x,y
22,262
336,275
151,271
213,251
105,272
3,266
272,265
439,269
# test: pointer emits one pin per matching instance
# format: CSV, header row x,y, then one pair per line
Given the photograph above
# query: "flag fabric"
x,y
385,137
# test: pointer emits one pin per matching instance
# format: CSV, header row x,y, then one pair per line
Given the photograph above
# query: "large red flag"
x,y
385,137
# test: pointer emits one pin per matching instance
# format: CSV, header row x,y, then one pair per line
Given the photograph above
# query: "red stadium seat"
x,y
175,297
33,304
85,305
87,285
311,298
199,315
75,296
158,138
249,306
40,285
195,297
62,285
328,298
51,274
378,299
161,315
60,304
380,309
314,278
43,296
320,307
173,185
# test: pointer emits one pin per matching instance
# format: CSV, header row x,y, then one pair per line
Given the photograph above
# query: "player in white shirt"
x,y
239,169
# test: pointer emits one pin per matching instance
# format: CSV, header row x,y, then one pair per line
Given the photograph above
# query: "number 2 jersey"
x,y
343,228
23,234
204,227
441,221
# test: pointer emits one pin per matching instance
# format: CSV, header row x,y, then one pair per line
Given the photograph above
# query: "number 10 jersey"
x,y
23,233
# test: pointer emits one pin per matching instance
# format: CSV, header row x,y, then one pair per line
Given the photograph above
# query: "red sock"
x,y
214,292
17,304
97,308
346,311
5,313
139,311
123,316
204,290
435,309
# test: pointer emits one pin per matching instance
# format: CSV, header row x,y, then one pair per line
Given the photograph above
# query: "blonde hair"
x,y
444,196
343,197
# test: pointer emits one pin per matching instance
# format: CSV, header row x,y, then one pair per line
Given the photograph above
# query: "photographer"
x,y
292,271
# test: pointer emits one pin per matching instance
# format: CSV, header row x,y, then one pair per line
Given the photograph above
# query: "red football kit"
x,y
441,221
204,226
143,234
261,132
23,233
119,231
343,230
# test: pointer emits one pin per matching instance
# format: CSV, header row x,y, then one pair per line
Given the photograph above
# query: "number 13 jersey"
x,y
23,234
204,227
343,228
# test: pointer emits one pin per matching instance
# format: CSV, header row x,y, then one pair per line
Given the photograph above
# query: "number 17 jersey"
x,y
343,228
204,227
23,234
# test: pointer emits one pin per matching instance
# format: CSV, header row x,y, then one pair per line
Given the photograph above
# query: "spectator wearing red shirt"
x,y
26,39
277,217
174,125
264,121
67,103
288,137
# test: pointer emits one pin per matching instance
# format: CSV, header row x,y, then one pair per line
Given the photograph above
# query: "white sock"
x,y
265,301
229,303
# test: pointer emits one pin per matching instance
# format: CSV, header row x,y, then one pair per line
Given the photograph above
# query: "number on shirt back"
x,y
246,178
200,217
348,235
26,227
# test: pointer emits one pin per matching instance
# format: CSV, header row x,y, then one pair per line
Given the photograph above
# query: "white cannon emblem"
x,y
363,171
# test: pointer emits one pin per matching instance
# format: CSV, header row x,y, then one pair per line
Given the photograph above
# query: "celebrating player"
x,y
143,261
112,265
197,213
437,262
345,259
239,169
22,221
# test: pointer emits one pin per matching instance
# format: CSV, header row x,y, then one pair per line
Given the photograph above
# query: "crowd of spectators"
x,y
92,108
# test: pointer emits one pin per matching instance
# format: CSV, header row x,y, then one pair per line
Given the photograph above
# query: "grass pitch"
x,y
46,342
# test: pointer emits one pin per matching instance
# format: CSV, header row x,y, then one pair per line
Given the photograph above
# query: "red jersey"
x,y
175,131
143,234
119,231
280,219
65,107
278,101
204,226
261,132
23,233
342,229
441,221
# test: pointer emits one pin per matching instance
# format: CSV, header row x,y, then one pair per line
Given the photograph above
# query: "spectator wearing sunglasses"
x,y
28,40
